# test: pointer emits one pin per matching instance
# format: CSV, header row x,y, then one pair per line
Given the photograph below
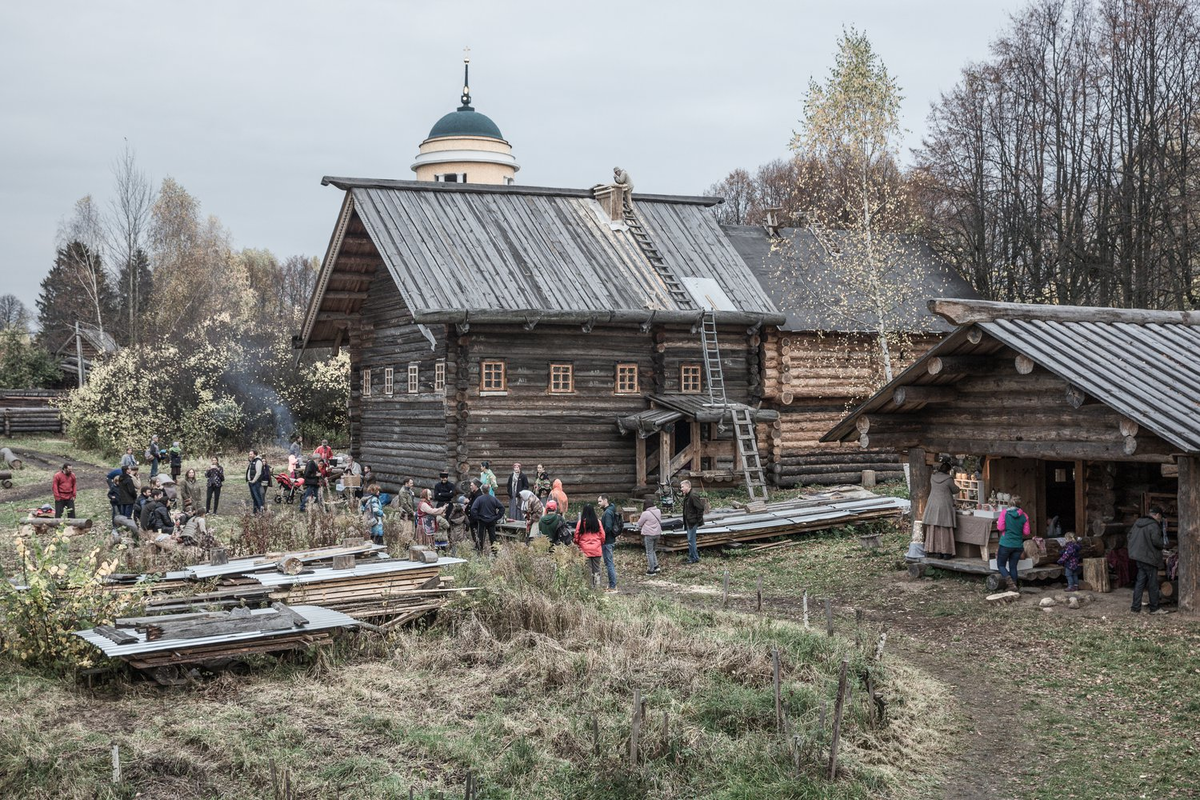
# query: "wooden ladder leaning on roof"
x,y
674,288
743,421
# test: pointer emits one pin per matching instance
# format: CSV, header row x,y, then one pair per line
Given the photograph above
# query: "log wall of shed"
x,y
812,380
999,411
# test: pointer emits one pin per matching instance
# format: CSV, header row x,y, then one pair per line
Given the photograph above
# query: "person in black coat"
x,y
127,493
444,490
517,483
693,518
486,510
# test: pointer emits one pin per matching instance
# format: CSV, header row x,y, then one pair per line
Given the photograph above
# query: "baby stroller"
x,y
286,486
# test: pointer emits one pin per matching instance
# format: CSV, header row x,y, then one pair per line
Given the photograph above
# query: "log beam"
x,y
960,365
1024,364
923,394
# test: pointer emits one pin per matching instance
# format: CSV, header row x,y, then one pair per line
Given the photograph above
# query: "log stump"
x,y
1095,573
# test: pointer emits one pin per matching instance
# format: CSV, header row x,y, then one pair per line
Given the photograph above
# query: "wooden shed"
x,y
1090,414
821,359
573,328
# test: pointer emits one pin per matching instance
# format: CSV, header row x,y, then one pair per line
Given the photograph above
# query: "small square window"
x,y
388,381
413,378
627,378
562,378
439,375
690,381
491,377
366,383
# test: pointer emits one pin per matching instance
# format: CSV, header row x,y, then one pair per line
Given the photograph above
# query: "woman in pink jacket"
x,y
589,537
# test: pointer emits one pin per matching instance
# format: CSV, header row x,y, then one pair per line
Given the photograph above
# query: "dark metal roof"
x,y
796,273
1149,373
1144,365
465,121
496,249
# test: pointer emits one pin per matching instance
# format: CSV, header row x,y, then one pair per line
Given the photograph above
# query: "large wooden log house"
x,y
534,325
822,359
1091,415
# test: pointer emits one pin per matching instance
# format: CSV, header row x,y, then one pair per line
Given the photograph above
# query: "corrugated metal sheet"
x,y
1149,373
361,570
513,251
318,619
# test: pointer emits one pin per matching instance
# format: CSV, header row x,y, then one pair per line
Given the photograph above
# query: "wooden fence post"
x,y
635,727
775,670
828,617
725,590
837,719
116,763
806,609
759,593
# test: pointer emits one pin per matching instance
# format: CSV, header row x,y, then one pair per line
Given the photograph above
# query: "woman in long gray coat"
x,y
939,517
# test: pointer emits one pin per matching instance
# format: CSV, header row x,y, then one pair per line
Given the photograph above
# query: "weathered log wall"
x,y
574,435
399,435
812,380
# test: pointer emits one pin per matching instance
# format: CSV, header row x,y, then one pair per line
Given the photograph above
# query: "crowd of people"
x,y
170,506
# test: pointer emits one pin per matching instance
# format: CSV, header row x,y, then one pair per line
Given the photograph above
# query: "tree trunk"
x,y
1189,532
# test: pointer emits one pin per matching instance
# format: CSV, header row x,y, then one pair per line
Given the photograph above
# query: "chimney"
x,y
612,196
771,221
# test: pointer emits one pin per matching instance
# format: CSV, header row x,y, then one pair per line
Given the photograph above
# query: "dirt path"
x,y
87,476
991,745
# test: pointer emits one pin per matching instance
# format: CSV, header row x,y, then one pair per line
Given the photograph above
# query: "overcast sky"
x,y
249,104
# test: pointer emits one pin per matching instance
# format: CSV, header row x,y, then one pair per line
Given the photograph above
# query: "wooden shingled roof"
x,y
1143,364
470,252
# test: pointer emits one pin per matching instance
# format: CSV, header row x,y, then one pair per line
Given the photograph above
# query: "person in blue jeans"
x,y
612,529
1013,524
693,518
254,475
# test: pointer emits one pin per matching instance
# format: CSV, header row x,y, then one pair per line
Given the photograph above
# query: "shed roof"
x,y
1142,364
799,277
482,252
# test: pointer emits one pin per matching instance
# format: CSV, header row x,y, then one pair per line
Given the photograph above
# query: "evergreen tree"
x,y
63,301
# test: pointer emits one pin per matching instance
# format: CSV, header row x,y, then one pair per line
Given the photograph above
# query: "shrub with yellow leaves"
x,y
53,594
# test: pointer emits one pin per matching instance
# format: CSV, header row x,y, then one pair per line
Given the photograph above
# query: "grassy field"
x,y
982,702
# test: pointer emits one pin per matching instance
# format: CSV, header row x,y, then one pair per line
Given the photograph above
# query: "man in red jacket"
x,y
64,491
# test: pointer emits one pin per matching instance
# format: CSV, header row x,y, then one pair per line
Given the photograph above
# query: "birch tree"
x,y
857,209
85,264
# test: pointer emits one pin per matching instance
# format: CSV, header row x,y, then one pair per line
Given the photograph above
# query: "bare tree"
x,y
13,313
125,224
1063,168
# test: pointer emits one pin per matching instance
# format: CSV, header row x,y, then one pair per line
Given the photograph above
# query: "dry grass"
x,y
507,684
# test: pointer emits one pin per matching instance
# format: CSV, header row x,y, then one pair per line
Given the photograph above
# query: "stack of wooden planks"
x,y
163,644
812,513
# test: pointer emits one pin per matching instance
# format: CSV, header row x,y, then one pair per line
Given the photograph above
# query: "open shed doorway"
x,y
1060,490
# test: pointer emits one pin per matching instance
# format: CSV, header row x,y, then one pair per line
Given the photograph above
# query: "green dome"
x,y
466,121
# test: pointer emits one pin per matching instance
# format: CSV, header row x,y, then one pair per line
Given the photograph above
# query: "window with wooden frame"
x,y
562,378
492,377
388,381
690,380
439,375
627,379
366,383
414,374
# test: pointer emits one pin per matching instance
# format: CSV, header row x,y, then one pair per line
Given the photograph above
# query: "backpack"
x,y
148,454
564,533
